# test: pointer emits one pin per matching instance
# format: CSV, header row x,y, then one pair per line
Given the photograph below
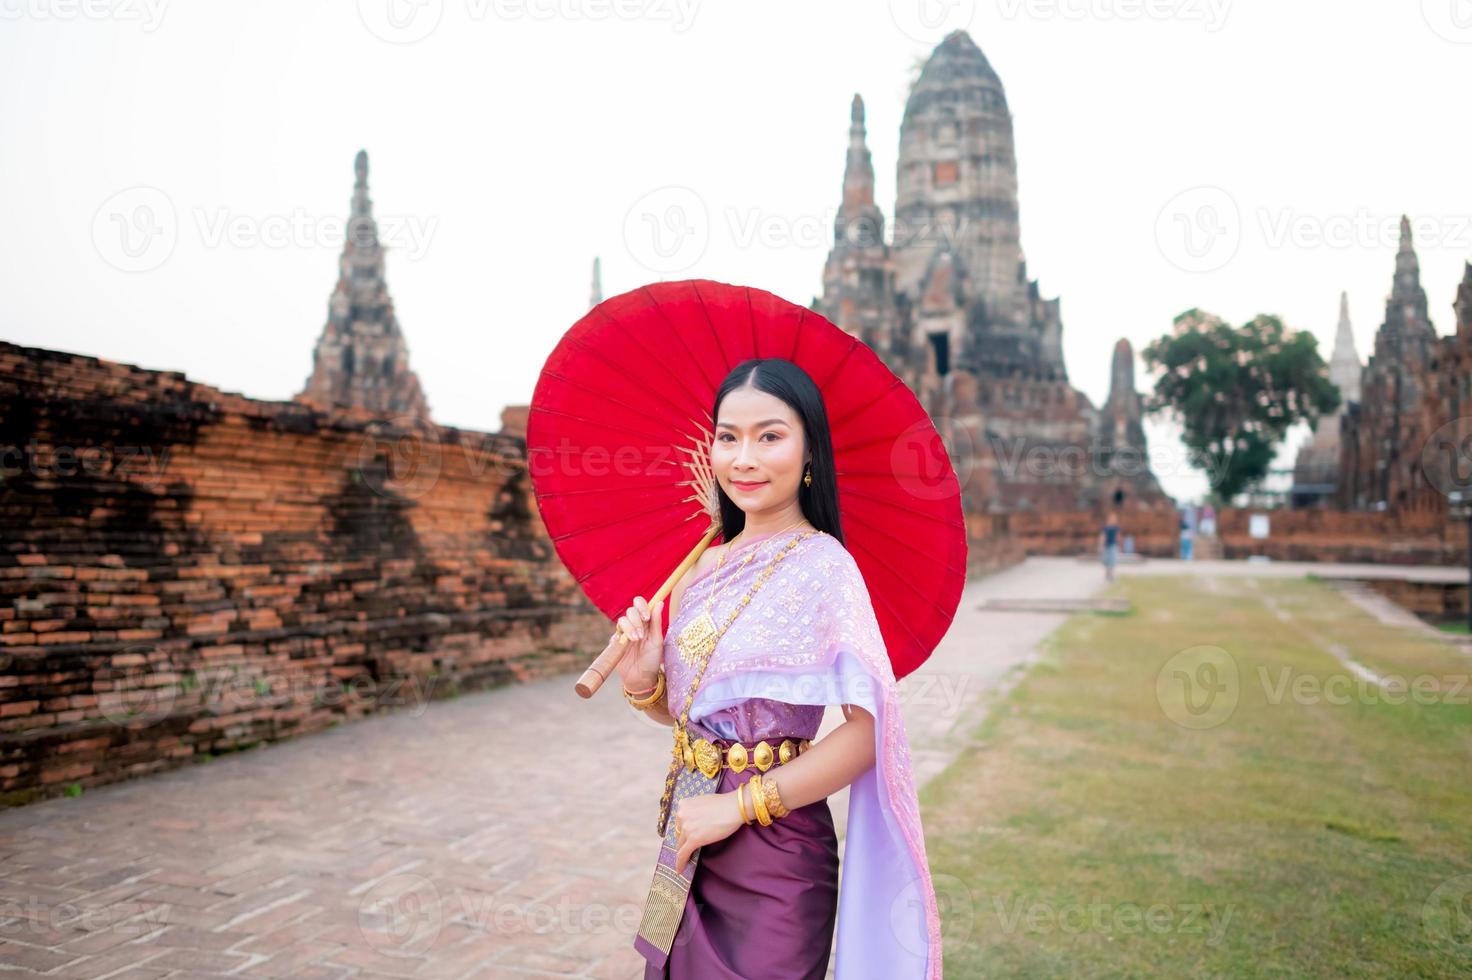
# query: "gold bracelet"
x,y
758,803
773,800
658,675
742,804
651,700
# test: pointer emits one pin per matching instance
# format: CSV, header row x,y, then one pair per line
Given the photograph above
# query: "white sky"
x,y
511,141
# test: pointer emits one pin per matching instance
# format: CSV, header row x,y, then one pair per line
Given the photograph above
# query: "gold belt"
x,y
710,759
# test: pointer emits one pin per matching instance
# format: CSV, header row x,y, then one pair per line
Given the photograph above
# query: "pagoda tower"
x,y
361,359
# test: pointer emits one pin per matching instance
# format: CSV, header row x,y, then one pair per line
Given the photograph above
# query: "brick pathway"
x,y
500,834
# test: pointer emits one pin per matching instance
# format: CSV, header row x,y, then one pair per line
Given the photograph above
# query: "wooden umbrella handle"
x,y
599,670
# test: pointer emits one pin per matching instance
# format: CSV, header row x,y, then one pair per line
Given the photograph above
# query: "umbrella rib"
x,y
660,440
642,349
864,445
891,474
894,382
680,336
797,336
751,318
725,357
605,395
604,491
839,366
889,503
889,606
634,340
875,528
622,518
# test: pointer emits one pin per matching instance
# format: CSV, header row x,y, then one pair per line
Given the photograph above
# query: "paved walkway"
x,y
506,833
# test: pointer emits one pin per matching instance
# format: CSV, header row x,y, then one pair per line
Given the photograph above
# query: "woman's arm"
x,y
659,714
829,764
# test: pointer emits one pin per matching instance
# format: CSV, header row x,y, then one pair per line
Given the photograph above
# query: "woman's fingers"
x,y
641,619
654,624
638,615
684,842
636,620
683,855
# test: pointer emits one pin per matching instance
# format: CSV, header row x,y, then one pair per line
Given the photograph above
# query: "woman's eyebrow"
x,y
758,425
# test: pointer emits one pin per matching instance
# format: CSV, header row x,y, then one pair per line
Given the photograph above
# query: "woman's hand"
x,y
704,819
639,666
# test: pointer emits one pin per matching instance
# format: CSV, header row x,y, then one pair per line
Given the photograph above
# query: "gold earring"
x,y
807,478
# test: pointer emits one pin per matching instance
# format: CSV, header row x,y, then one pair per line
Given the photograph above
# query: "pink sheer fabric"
x,y
809,638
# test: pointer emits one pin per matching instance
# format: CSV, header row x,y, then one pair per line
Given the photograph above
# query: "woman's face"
x,y
759,454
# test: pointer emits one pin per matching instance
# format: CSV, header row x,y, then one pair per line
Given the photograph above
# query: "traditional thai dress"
x,y
763,902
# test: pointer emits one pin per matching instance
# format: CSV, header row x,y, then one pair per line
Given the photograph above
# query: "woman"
x,y
1109,544
799,633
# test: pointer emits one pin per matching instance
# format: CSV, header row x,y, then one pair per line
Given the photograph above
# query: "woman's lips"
x,y
739,485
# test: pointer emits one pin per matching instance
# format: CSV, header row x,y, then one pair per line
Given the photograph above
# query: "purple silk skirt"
x,y
764,901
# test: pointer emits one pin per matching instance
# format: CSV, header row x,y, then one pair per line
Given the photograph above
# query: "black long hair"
x,y
781,378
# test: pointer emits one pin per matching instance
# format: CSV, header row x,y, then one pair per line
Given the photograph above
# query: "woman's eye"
x,y
731,438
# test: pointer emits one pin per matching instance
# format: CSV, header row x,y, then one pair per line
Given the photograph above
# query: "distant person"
x,y
1109,544
1208,521
1185,537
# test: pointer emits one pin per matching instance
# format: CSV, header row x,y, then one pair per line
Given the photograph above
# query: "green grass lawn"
x,y
1202,789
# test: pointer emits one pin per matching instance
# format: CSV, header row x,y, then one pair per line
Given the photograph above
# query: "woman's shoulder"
x,y
704,563
829,546
830,555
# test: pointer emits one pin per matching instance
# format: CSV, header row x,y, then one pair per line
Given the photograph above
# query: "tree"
x,y
1237,391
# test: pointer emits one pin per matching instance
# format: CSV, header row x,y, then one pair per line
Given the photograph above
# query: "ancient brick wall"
x,y
185,571
990,546
1077,532
1439,602
1405,537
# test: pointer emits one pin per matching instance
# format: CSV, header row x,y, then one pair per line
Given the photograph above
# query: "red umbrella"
x,y
618,441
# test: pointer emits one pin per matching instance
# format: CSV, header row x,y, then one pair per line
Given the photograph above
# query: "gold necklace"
x,y
695,638
715,593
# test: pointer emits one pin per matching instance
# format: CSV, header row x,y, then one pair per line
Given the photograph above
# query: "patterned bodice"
x,y
755,717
